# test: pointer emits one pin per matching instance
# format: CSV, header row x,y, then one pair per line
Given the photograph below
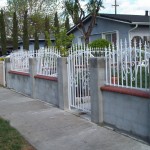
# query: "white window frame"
x,y
111,32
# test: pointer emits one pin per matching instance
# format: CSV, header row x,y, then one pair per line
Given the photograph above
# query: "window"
x,y
147,40
136,40
111,37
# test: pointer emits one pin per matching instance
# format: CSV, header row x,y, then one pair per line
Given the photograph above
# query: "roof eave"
x,y
117,20
141,23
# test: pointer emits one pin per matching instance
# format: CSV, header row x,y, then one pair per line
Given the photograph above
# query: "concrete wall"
x,y
46,90
2,73
18,81
33,85
128,113
97,79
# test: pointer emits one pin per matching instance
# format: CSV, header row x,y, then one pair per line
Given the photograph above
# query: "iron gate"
x,y
78,79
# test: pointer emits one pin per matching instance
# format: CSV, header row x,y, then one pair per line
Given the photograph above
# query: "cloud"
x,y
136,7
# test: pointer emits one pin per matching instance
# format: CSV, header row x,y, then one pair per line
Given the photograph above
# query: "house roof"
x,y
126,18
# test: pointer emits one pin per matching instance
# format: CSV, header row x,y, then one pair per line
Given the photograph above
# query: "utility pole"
x,y
115,6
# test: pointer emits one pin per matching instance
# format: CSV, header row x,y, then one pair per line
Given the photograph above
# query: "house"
x,y
41,42
31,43
9,47
114,27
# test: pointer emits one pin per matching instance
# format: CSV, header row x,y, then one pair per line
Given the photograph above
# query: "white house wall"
x,y
140,31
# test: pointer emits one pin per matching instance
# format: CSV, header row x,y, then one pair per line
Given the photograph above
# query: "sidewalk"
x,y
49,128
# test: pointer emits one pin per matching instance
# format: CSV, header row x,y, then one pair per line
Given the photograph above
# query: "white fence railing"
x,y
20,60
47,61
128,66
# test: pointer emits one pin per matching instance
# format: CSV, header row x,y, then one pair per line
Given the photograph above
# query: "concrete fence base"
x,y
2,73
37,86
127,110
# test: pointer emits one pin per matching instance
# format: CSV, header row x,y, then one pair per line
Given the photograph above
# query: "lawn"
x,y
10,138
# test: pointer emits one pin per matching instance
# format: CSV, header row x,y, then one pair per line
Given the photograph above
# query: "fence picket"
x,y
46,61
129,65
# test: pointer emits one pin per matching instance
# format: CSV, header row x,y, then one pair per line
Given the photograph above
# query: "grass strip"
x,y
11,139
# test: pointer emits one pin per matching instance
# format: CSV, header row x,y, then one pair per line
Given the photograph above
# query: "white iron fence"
x,y
78,78
128,66
97,52
47,61
19,60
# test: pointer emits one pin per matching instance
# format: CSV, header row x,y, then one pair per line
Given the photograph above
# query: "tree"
x,y
3,33
47,32
77,13
32,6
37,10
56,24
63,41
36,41
67,25
25,32
15,32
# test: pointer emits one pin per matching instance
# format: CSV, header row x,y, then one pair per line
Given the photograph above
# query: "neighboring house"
x,y
41,42
114,27
31,43
9,47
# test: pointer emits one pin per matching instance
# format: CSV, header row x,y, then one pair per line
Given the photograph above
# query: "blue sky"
x,y
125,6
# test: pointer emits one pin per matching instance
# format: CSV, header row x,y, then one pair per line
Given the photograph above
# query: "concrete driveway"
x,y
49,128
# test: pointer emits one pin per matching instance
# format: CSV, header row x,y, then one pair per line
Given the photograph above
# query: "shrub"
x,y
100,43
2,59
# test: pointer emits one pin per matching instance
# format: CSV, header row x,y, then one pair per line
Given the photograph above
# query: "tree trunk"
x,y
87,40
36,41
15,32
25,32
3,34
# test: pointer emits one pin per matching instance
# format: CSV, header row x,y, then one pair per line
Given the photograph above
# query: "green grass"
x,y
10,138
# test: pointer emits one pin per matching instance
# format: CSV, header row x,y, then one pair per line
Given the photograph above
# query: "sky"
x,y
125,6
2,3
